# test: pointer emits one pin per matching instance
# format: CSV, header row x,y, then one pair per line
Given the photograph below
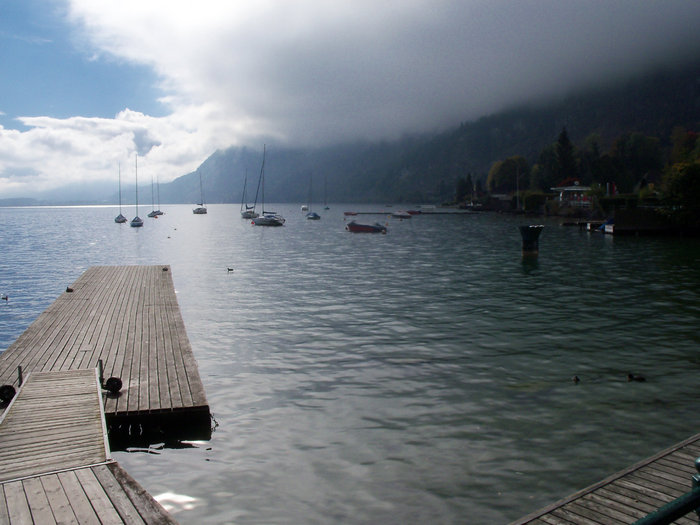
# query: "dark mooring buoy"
x,y
531,235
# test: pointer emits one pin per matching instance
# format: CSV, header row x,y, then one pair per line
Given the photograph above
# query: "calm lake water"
x,y
423,376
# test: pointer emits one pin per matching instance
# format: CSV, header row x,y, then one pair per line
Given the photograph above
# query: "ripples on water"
x,y
419,376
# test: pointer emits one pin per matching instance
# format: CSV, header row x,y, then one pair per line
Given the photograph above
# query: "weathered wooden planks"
x,y
128,317
629,495
100,494
55,422
54,455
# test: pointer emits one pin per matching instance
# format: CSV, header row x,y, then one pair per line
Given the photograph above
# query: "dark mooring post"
x,y
531,235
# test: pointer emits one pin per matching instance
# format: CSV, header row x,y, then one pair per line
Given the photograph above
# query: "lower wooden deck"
x,y
55,422
629,495
99,494
128,318
55,464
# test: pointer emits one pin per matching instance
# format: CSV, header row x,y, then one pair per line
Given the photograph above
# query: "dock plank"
x,y
60,506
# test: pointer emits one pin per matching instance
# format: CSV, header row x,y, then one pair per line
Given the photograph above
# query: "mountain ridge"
x,y
425,168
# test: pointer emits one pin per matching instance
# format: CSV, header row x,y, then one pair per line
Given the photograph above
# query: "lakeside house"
x,y
574,195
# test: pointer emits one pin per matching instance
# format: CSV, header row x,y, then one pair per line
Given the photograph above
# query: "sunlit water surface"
x,y
423,376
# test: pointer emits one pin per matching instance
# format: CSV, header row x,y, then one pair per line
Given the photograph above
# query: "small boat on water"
x,y
401,215
247,211
120,219
137,221
200,209
158,212
355,227
153,214
268,218
312,215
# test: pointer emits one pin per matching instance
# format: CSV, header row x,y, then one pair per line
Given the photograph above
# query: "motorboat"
x,y
355,227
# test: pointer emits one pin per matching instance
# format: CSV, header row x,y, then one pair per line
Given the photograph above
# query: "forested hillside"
x,y
427,168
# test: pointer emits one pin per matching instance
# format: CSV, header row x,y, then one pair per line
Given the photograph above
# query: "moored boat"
x,y
201,208
355,227
120,219
137,221
268,219
248,212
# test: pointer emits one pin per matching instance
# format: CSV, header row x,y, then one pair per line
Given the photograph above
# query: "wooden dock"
x,y
55,464
128,318
629,495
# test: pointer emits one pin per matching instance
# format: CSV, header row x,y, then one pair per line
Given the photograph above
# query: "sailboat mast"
x,y
262,181
136,164
245,183
120,188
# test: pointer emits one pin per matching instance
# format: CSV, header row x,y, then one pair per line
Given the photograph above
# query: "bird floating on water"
x,y
5,297
229,269
635,377
575,379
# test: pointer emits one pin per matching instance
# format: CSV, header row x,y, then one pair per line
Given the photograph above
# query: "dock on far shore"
x,y
55,433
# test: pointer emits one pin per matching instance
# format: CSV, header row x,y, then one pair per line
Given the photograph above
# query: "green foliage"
x,y
507,175
465,188
566,163
534,201
681,188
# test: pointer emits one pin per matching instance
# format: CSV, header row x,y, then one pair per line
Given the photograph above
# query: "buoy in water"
x,y
531,235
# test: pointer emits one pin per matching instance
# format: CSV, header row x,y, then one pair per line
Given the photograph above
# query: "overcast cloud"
x,y
314,72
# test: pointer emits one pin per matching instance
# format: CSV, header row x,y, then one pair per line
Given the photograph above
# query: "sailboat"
x,y
120,219
153,214
158,212
312,215
248,212
325,192
137,221
200,209
268,218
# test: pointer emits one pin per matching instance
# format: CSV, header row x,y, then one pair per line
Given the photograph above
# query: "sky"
x,y
87,85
